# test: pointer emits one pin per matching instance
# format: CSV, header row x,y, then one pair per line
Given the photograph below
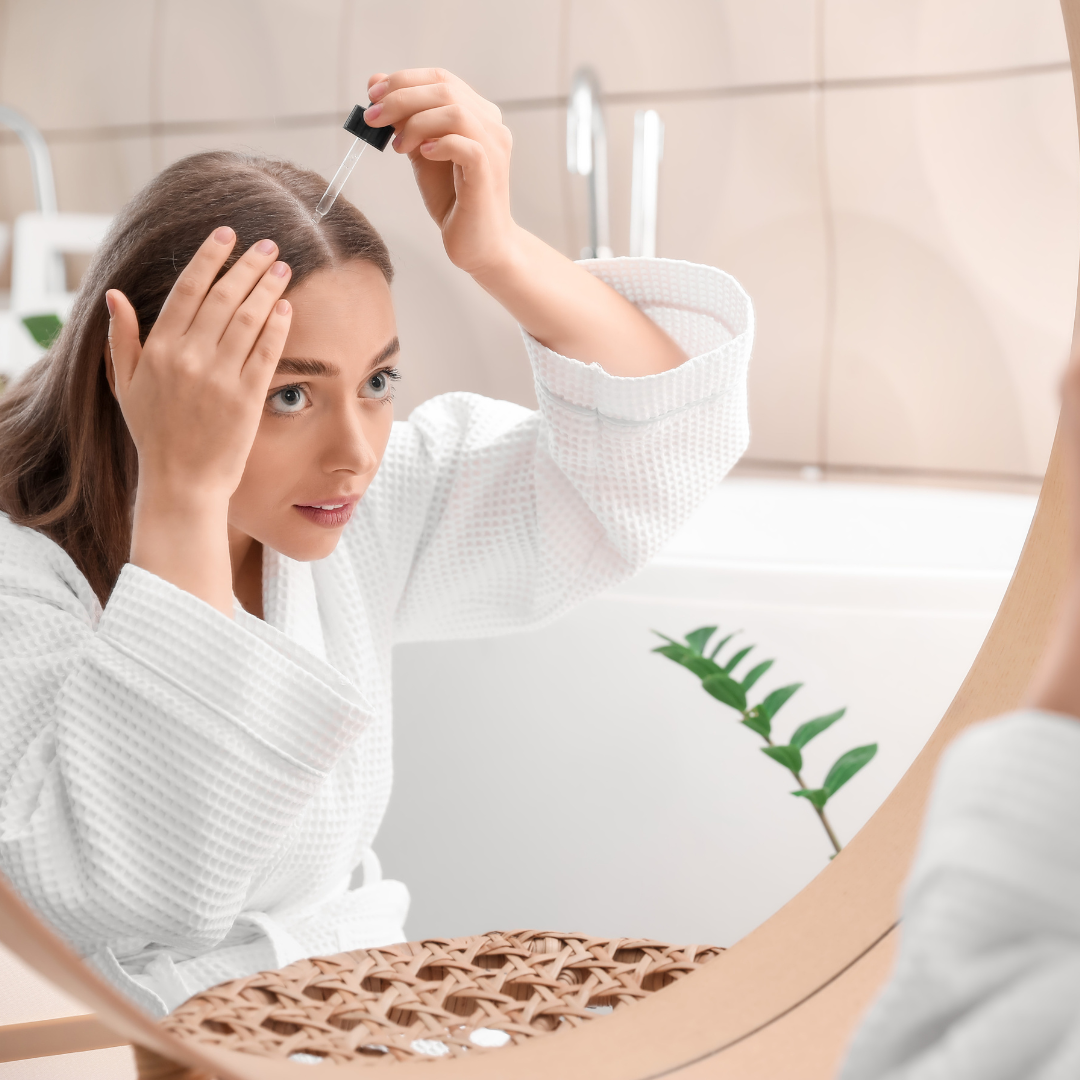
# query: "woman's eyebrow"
x,y
298,365
388,350
301,365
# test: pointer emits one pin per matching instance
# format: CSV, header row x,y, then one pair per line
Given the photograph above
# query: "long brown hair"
x,y
67,463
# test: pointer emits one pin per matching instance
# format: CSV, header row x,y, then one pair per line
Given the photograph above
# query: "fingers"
x,y
251,317
467,153
264,356
377,85
183,302
224,300
404,93
434,123
124,348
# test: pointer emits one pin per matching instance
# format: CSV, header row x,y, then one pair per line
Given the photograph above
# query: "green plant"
x,y
43,328
720,681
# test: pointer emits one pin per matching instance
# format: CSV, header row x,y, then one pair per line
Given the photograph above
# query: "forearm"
x,y
573,313
1056,684
184,540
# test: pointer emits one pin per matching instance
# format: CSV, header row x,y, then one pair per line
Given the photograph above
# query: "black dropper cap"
x,y
373,136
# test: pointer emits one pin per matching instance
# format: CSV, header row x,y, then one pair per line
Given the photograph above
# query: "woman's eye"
x,y
289,399
379,386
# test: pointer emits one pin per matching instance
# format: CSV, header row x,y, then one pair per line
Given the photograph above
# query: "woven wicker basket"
x,y
427,999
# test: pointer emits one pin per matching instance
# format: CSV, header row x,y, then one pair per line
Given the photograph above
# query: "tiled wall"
x,y
895,182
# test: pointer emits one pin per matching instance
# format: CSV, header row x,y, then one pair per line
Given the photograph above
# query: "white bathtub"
x,y
566,778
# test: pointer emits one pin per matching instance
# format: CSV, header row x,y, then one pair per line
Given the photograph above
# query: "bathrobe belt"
x,y
359,918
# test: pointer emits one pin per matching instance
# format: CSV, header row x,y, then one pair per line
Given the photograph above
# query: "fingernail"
x,y
372,112
109,304
279,269
428,146
378,90
224,235
283,307
398,140
266,247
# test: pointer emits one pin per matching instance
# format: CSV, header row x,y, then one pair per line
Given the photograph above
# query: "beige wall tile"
x,y
242,59
76,65
92,176
908,37
99,176
504,50
636,45
957,245
539,181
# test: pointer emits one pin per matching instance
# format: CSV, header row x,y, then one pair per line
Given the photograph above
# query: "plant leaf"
x,y
720,645
847,766
818,796
697,663
724,688
674,651
730,666
698,639
775,701
701,667
788,756
755,673
812,728
43,328
757,721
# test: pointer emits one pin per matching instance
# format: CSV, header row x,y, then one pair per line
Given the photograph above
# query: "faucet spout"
x,y
586,155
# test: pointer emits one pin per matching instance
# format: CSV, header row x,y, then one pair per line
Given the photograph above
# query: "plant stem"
x,y
819,811
821,814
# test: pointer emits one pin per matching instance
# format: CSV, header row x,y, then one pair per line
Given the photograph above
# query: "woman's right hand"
x,y
192,397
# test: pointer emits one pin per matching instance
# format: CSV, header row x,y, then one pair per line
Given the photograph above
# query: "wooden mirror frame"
x,y
780,1005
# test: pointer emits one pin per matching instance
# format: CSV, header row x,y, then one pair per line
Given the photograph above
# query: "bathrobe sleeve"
x,y
987,983
151,754
497,517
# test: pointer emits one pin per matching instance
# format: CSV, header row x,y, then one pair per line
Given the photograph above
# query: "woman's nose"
x,y
347,447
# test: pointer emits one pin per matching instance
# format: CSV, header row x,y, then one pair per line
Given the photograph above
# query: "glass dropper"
x,y
365,136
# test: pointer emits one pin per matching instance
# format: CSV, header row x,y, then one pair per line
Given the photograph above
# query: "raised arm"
x,y
460,152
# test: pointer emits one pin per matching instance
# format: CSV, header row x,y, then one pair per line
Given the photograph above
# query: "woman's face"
x,y
327,416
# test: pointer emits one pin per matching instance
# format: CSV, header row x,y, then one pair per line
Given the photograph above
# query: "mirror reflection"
x,y
895,192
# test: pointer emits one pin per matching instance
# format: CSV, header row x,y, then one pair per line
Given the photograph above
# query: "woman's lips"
x,y
331,514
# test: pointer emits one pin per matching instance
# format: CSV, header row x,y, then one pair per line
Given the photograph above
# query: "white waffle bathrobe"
x,y
184,797
987,980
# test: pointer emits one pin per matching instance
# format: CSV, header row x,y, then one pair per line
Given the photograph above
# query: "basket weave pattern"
x,y
427,998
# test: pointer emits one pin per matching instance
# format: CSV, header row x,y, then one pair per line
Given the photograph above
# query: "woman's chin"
x,y
306,545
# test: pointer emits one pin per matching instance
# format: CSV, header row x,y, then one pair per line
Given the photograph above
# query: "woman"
x,y
214,534
987,982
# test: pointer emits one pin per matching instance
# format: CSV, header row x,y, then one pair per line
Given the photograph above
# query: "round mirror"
x,y
896,188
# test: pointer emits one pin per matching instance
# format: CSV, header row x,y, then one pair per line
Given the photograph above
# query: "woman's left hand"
x,y
460,153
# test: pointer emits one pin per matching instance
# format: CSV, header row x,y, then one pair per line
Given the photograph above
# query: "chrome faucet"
x,y
645,182
41,171
41,175
586,155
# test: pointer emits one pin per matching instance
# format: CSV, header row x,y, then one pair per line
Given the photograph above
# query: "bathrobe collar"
x,y
290,603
